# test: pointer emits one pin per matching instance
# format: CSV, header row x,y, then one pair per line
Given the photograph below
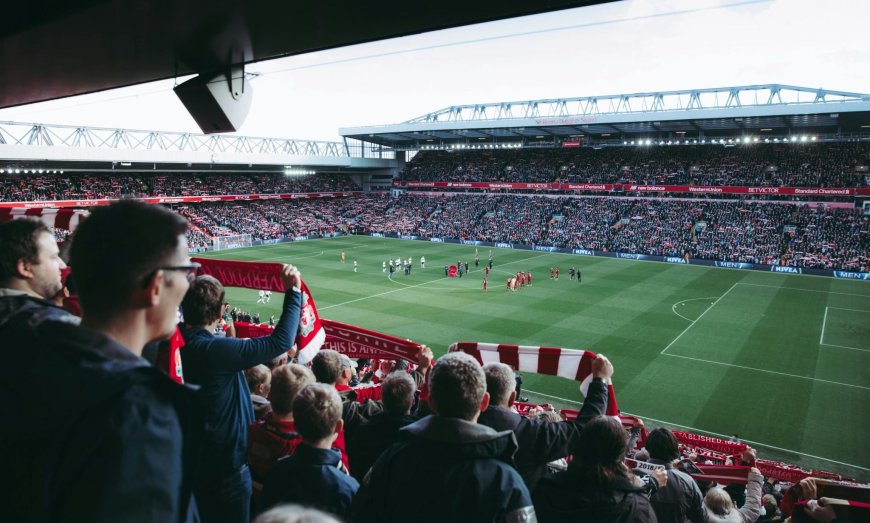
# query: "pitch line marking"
x,y
843,347
769,371
413,286
845,309
390,277
723,436
824,321
698,319
807,290
674,307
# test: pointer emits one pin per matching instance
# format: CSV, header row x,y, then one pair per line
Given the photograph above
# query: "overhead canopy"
x,y
56,48
758,110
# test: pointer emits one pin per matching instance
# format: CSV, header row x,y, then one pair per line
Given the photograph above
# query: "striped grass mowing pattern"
x,y
779,359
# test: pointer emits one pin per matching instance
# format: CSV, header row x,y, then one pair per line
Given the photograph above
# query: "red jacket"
x,y
268,441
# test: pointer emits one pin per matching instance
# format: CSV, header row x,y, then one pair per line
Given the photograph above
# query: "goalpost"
x,y
235,241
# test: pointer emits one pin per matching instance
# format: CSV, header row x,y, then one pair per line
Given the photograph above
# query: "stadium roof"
x,y
763,110
33,147
57,48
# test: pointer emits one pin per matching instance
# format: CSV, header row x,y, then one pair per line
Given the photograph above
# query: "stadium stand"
x,y
75,186
760,165
807,236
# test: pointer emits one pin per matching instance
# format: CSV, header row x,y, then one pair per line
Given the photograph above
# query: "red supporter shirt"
x,y
269,441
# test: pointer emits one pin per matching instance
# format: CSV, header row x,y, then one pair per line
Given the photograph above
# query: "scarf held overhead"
x,y
572,364
267,276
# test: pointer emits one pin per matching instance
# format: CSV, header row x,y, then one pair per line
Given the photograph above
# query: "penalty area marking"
x,y
723,436
825,321
674,306
680,335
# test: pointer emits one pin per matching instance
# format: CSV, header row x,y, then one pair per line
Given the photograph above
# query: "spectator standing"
x,y
107,437
382,430
464,468
314,474
680,499
223,490
276,436
337,370
539,441
597,485
721,509
259,379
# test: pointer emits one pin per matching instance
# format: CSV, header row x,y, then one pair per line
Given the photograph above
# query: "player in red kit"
x,y
486,271
484,285
552,273
557,273
529,278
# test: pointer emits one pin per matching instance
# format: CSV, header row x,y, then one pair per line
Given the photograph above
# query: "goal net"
x,y
235,241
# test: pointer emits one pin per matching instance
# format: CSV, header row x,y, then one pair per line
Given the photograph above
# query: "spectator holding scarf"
x,y
223,490
539,441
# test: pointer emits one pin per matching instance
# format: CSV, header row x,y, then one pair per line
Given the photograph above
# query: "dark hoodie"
x,y
91,432
445,469
567,497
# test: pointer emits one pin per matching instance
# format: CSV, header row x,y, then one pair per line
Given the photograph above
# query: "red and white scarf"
x,y
572,364
267,276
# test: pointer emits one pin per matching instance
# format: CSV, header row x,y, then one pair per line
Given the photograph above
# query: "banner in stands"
x,y
176,199
703,189
67,219
355,342
267,276
652,257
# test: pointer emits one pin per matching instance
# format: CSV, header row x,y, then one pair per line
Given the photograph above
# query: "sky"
x,y
622,47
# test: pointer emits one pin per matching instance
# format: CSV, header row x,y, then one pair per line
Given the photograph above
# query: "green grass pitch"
x,y
781,360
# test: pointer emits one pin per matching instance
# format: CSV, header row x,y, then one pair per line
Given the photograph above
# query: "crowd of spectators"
x,y
81,186
437,440
774,165
796,235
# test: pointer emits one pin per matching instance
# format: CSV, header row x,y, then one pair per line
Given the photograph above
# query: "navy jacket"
x,y
460,471
310,477
91,432
680,499
567,497
371,439
540,442
216,365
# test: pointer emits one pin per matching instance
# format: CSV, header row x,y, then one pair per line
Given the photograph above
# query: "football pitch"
x,y
781,360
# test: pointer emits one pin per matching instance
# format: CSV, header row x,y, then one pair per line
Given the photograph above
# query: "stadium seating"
x,y
81,186
774,165
753,232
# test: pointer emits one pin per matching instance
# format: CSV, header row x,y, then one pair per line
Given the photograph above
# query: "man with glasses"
x,y
92,432
216,364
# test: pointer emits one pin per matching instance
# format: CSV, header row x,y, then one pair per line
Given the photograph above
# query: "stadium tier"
x,y
84,186
754,165
786,234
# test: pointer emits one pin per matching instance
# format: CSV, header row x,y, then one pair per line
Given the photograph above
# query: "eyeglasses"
x,y
191,270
